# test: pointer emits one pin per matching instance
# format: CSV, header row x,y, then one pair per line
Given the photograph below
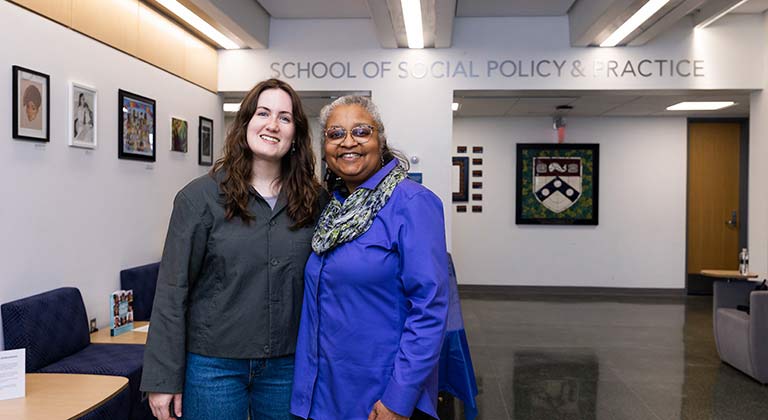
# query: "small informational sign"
x,y
12,370
121,308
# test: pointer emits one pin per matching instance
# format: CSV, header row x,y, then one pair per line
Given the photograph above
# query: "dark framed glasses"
x,y
360,133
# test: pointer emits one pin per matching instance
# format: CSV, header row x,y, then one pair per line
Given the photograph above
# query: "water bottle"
x,y
744,262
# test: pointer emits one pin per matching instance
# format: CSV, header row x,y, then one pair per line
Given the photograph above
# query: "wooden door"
x,y
713,196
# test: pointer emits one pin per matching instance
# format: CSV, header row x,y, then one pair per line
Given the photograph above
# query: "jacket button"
x,y
266,348
272,223
274,261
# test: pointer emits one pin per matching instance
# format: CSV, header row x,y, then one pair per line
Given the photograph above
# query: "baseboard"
x,y
502,292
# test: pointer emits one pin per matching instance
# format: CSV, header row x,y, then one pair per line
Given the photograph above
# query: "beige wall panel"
x,y
114,22
201,64
161,42
58,10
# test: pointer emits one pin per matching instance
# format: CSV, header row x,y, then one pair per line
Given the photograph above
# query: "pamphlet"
x,y
12,374
121,308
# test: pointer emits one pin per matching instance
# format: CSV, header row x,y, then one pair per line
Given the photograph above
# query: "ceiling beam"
x,y
244,21
667,21
590,19
713,8
445,12
382,20
436,16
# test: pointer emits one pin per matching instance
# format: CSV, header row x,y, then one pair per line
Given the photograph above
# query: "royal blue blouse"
x,y
374,313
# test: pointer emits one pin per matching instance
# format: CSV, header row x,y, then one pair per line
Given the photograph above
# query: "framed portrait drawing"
x,y
135,127
460,179
82,116
557,184
205,142
31,105
178,135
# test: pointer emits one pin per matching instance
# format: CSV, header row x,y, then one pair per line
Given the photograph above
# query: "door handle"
x,y
733,222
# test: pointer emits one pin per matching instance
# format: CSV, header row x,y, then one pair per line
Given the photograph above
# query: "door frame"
x,y
743,181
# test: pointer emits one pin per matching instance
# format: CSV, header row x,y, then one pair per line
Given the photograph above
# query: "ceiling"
x,y
334,9
588,103
590,21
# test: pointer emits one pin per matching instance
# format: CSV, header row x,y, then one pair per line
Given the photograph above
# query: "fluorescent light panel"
x,y
455,106
198,23
700,106
231,107
412,18
714,18
645,13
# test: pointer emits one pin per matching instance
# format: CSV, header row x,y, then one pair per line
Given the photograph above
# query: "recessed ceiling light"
x,y
643,14
412,19
700,106
455,106
714,18
198,23
231,107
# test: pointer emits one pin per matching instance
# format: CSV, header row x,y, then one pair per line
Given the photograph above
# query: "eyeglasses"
x,y
360,133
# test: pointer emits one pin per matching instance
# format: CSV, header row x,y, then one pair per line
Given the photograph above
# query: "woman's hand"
x,y
161,405
381,412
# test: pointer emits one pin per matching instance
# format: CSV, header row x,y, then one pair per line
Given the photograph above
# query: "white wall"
x,y
71,217
416,109
758,171
640,239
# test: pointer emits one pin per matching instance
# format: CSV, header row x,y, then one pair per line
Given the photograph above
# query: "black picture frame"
x,y
557,184
462,195
136,127
23,127
205,128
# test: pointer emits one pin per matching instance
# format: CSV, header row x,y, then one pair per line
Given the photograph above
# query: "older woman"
x,y
375,298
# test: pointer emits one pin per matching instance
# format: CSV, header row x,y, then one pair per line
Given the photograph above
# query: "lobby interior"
x,y
603,320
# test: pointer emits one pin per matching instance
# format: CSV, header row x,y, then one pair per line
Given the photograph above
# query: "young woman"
x,y
226,310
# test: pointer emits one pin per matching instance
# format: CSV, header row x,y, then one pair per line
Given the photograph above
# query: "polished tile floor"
x,y
549,357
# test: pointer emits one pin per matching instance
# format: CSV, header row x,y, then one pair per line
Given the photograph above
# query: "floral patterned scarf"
x,y
342,223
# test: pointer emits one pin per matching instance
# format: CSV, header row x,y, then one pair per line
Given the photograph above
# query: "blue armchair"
x,y
143,281
53,328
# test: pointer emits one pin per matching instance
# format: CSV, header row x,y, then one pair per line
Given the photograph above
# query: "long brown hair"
x,y
297,168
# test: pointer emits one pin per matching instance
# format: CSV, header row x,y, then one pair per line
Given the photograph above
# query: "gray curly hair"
x,y
365,103
388,153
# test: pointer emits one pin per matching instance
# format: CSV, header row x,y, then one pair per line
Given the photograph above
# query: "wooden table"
x,y
728,274
61,396
131,337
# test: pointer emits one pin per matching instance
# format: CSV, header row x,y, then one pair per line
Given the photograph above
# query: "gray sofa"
x,y
742,338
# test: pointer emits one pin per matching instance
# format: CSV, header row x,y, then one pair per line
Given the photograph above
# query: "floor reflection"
x,y
544,357
554,385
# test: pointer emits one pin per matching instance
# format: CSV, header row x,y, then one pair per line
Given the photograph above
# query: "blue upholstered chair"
x,y
53,328
143,281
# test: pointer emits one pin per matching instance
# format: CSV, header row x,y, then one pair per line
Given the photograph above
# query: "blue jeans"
x,y
219,388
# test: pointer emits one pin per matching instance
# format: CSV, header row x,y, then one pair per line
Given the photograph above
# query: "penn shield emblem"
x,y
557,181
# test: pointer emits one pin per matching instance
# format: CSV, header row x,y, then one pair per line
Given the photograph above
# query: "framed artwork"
x,y
136,127
205,140
557,184
82,121
460,179
178,135
31,105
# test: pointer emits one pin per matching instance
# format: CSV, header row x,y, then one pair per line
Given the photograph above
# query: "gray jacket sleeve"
x,y
183,255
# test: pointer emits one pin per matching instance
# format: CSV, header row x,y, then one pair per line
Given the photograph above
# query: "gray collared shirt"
x,y
225,288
